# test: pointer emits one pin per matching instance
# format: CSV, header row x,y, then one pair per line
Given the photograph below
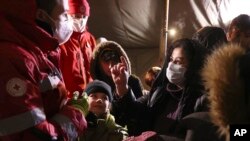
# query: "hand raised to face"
x,y
120,76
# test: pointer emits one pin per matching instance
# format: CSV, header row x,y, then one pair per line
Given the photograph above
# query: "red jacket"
x,y
30,108
75,61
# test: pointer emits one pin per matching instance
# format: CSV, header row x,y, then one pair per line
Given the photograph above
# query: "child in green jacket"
x,y
101,124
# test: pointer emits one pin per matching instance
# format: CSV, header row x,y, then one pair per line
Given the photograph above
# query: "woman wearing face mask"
x,y
77,51
174,92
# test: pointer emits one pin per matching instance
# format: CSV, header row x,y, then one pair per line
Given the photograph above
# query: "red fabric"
x,y
21,9
79,7
75,58
22,48
76,117
145,136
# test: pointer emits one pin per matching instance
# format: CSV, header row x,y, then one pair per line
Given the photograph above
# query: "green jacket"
x,y
104,130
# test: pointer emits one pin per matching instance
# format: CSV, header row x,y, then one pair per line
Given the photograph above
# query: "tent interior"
x,y
140,25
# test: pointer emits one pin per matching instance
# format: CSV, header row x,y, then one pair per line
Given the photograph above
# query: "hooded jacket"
x,y
226,75
96,71
75,59
133,82
35,110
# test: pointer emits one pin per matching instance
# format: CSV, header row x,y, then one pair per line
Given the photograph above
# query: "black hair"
x,y
195,54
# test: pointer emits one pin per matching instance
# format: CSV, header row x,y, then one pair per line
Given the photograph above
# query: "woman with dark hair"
x,y
174,92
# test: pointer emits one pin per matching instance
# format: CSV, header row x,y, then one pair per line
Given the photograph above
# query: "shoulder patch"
x,y
16,87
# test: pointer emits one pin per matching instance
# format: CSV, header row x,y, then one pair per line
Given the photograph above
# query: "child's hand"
x,y
80,102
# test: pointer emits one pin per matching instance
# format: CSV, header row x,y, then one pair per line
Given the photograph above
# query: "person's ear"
x,y
109,106
44,17
233,34
41,15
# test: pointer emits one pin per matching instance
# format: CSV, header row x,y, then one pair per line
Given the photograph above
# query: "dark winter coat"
x,y
133,82
227,76
96,71
193,127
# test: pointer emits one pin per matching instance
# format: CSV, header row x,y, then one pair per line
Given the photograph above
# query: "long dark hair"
x,y
193,87
195,55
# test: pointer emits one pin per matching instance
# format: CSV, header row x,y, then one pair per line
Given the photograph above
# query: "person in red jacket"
x,y
77,51
33,98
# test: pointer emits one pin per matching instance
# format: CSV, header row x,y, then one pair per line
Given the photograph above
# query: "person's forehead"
x,y
60,8
79,15
178,52
99,93
63,3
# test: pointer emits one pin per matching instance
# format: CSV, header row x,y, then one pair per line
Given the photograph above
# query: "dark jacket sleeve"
x,y
201,104
132,113
135,84
197,127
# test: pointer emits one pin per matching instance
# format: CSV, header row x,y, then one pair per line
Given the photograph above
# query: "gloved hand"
x,y
80,102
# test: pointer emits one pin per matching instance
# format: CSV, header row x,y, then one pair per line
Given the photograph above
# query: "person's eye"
x,y
104,97
179,62
64,17
171,59
92,96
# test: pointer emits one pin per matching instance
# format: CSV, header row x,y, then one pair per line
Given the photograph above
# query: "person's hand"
x,y
120,76
80,102
54,99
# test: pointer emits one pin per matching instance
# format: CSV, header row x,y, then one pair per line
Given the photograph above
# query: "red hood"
x,y
18,25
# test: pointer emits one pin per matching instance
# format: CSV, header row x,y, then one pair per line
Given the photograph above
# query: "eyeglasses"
x,y
110,55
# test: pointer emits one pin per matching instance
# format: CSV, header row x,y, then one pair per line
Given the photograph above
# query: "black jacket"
x,y
149,110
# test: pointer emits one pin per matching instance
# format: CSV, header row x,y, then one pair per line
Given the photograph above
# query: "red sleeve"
x,y
26,117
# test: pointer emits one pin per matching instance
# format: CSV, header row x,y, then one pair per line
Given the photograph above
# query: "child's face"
x,y
98,103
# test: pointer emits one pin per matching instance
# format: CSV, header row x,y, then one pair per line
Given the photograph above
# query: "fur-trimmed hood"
x,y
97,72
226,88
95,69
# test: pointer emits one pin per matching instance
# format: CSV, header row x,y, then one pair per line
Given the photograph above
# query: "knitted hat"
x,y
99,86
79,7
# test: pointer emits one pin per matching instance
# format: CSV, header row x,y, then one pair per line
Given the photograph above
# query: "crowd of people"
x,y
58,82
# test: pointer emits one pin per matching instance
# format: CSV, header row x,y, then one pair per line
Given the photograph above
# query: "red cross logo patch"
x,y
16,87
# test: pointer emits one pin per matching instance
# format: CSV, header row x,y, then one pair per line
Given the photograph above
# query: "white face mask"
x,y
79,24
175,73
63,31
62,27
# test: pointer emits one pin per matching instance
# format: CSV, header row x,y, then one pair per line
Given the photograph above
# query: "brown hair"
x,y
151,74
242,23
